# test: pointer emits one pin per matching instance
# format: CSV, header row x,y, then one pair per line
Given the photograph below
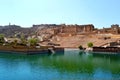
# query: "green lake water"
x,y
71,65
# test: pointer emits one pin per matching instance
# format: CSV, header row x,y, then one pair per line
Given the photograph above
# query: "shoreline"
x,y
30,51
53,50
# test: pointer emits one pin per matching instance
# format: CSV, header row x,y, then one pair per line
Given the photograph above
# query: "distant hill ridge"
x,y
11,30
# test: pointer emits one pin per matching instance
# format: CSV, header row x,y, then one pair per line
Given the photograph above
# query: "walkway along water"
x,y
31,51
108,50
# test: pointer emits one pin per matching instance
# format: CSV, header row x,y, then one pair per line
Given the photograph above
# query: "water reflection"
x,y
72,63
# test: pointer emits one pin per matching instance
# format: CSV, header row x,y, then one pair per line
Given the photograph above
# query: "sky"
x,y
100,13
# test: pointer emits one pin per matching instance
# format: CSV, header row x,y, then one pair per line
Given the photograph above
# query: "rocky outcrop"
x,y
12,30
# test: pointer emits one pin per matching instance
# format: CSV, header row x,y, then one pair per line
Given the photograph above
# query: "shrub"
x,y
15,42
90,44
80,47
2,38
33,41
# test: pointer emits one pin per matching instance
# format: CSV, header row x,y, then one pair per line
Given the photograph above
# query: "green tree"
x,y
33,41
90,44
2,38
80,47
23,40
15,42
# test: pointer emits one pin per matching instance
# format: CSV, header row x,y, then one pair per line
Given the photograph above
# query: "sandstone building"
x,y
114,29
65,30
77,28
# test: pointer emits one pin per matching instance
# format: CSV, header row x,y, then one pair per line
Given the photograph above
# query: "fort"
x,y
75,35
64,34
114,29
68,29
78,29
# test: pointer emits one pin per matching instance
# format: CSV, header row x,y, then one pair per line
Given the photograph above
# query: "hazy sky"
x,y
101,13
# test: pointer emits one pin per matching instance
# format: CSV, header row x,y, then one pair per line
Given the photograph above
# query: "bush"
x,y
33,41
80,47
90,44
15,42
2,38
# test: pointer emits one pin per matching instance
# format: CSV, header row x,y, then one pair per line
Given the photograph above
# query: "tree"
x,y
33,41
80,47
23,40
2,38
15,42
90,44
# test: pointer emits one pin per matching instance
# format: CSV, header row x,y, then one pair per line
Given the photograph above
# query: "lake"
x,y
71,65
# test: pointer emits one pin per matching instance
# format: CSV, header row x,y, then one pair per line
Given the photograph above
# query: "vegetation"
x,y
2,38
15,42
23,40
32,41
90,44
80,47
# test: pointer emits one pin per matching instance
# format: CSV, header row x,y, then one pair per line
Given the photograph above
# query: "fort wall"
x,y
78,29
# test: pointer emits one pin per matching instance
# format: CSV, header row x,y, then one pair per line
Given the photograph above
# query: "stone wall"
x,y
69,29
77,28
113,30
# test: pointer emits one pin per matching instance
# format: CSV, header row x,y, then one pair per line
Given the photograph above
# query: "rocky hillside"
x,y
12,30
76,40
